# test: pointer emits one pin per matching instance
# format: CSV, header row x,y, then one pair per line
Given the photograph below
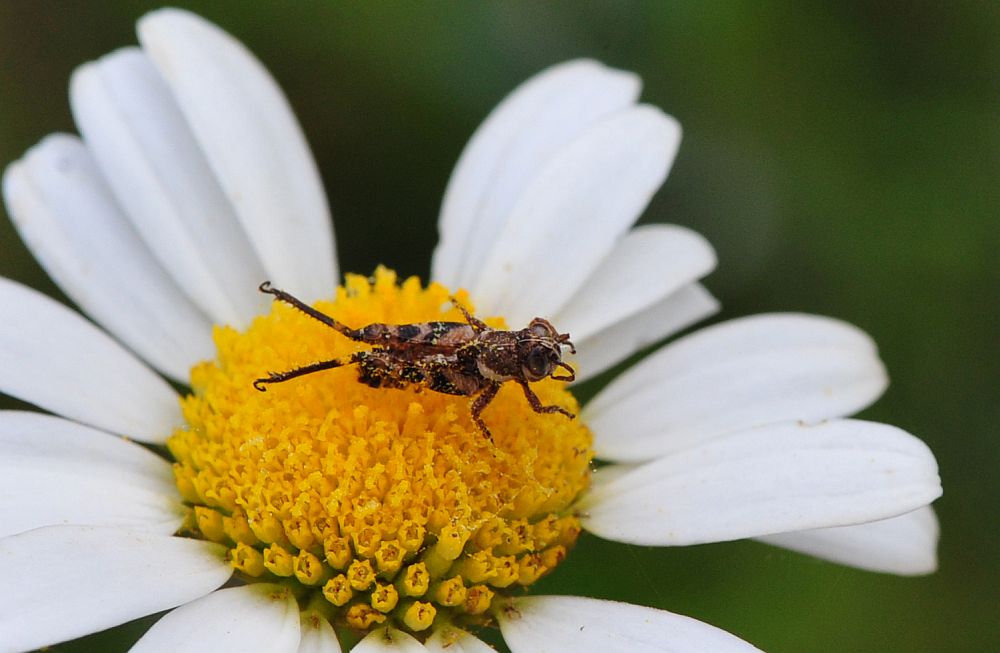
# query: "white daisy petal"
x,y
904,545
548,624
258,617
67,216
736,375
134,128
248,133
449,639
388,640
317,634
606,348
508,150
773,479
648,264
53,471
588,194
62,582
55,359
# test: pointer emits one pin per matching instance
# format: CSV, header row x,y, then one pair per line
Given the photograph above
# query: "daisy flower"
x,y
325,513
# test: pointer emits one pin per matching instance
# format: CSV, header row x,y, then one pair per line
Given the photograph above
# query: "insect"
x,y
467,358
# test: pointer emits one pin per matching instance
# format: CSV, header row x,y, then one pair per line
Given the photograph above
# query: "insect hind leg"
x,y
291,300
279,377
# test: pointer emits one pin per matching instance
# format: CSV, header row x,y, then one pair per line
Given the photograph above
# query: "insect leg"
x,y
536,403
476,324
278,377
309,310
480,404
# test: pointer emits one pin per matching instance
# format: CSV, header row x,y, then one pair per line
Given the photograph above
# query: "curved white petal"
x,y
53,358
611,345
62,582
735,375
134,128
449,639
317,634
572,212
258,617
507,151
544,624
646,265
67,216
388,640
246,129
773,479
53,471
904,545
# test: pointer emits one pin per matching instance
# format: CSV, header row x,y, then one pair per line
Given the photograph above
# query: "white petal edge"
x,y
449,639
53,471
646,265
66,215
676,312
55,359
773,479
518,137
572,213
904,545
552,624
735,375
62,582
247,131
317,634
257,617
388,640
149,156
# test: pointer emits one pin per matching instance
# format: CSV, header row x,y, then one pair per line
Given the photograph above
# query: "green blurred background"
x,y
843,158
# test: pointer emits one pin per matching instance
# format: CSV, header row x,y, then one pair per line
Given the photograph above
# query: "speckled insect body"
x,y
457,358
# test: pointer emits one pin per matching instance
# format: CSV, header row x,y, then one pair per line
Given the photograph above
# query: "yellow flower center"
x,y
375,505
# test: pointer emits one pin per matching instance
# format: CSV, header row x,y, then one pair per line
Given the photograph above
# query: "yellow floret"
x,y
374,497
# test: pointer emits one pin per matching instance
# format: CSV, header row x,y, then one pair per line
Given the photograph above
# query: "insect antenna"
x,y
563,339
570,377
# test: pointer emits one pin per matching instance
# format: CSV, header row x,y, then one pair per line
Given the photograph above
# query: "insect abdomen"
x,y
439,334
376,368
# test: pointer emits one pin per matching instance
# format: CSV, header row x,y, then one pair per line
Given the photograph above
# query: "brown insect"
x,y
468,358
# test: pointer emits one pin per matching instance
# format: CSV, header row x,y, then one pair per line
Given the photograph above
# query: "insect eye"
x,y
538,362
540,328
